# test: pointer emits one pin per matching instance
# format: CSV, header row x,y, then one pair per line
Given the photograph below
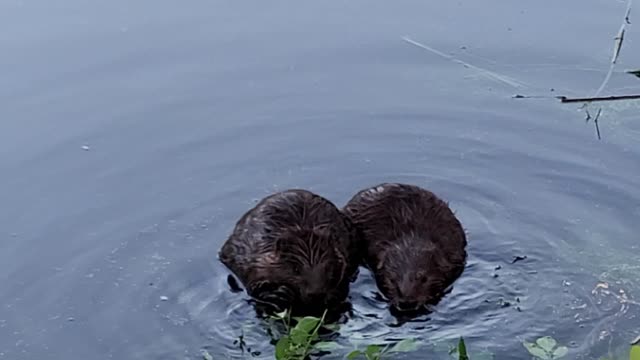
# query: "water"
x,y
134,134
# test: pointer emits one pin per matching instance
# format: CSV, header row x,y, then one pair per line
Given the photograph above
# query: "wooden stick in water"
x,y
565,99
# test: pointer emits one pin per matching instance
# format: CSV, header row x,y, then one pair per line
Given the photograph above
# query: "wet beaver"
x,y
294,250
412,242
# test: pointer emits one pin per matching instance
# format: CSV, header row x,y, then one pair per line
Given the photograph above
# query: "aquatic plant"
x,y
634,354
297,343
546,348
302,340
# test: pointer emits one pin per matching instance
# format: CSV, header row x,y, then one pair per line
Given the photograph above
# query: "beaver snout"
x,y
314,298
404,305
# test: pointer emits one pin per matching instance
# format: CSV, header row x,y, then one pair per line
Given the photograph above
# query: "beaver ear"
x,y
381,260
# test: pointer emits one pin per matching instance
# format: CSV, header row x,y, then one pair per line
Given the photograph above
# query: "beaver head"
x,y
308,270
411,274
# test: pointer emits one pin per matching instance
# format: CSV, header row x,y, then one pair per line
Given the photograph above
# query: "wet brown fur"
x,y
412,242
294,249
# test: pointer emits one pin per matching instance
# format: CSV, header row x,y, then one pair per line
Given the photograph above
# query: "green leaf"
x,y
299,337
547,343
327,346
307,324
282,348
560,351
354,354
303,331
405,345
373,351
206,355
462,350
536,351
635,353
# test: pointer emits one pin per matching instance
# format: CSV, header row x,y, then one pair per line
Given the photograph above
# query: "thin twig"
x,y
596,122
565,99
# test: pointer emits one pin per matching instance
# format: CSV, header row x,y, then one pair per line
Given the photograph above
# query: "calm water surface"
x,y
134,134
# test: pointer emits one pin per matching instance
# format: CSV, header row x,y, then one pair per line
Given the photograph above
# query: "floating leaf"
x,y
327,346
405,345
635,353
536,351
354,354
560,351
547,343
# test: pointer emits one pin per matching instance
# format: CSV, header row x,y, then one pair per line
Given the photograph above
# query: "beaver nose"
x,y
314,298
407,305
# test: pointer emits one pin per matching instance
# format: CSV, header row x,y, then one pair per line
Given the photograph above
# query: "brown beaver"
x,y
294,250
412,242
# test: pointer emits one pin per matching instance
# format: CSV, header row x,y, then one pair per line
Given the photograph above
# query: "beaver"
x,y
411,241
295,250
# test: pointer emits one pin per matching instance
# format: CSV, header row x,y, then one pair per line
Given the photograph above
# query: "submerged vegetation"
x,y
303,340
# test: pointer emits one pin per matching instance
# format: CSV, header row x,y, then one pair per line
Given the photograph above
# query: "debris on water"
x,y
206,355
518,96
495,275
71,319
503,303
86,147
518,258
634,72
498,267
566,283
164,298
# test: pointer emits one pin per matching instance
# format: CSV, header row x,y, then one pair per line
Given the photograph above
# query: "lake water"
x,y
134,134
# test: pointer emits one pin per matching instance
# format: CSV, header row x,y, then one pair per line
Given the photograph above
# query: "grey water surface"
x,y
133,134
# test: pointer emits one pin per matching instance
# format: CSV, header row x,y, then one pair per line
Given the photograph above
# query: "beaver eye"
x,y
296,269
422,277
